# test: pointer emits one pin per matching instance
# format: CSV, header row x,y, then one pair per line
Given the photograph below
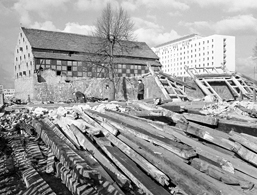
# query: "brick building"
x,y
73,56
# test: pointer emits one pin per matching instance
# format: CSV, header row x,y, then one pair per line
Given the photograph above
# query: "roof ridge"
x,y
56,31
71,33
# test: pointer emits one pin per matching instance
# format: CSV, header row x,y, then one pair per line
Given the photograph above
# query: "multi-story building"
x,y
74,56
196,51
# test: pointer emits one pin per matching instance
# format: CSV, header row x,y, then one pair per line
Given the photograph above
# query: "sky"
x,y
156,22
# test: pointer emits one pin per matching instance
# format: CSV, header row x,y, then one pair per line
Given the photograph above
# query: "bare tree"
x,y
114,28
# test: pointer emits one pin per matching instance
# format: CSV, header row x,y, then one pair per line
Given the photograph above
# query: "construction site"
x,y
187,138
95,115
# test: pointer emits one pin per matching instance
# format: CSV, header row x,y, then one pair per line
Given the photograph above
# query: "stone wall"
x,y
60,88
56,88
24,86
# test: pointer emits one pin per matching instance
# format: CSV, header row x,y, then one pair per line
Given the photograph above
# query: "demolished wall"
x,y
56,88
24,86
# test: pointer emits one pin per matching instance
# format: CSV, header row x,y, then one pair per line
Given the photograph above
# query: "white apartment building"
x,y
196,51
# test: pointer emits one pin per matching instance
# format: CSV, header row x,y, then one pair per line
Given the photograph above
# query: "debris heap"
x,y
123,148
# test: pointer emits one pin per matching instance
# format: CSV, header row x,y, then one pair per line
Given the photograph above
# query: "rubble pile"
x,y
125,148
230,109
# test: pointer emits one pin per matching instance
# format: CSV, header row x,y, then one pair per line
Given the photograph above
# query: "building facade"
x,y
73,56
196,51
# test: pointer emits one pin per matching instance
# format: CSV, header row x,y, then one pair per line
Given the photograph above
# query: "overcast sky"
x,y
156,21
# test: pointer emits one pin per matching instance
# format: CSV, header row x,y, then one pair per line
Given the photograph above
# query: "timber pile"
x,y
129,148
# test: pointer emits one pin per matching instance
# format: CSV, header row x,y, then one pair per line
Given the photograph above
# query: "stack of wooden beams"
x,y
137,148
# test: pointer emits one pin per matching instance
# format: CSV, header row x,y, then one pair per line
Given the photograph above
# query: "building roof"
x,y
117,60
69,42
177,40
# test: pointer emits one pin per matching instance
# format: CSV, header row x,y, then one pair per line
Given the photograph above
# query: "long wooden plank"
x,y
245,153
208,134
209,120
244,141
227,162
181,174
219,174
84,165
145,165
239,127
177,81
179,149
86,143
158,82
130,169
139,122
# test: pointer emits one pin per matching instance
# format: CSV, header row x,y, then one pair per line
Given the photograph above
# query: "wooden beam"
x,y
208,120
115,174
243,140
83,164
179,149
186,177
130,169
177,80
239,127
219,174
208,134
226,162
145,165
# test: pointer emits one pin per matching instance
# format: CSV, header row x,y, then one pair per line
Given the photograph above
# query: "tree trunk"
x,y
111,74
